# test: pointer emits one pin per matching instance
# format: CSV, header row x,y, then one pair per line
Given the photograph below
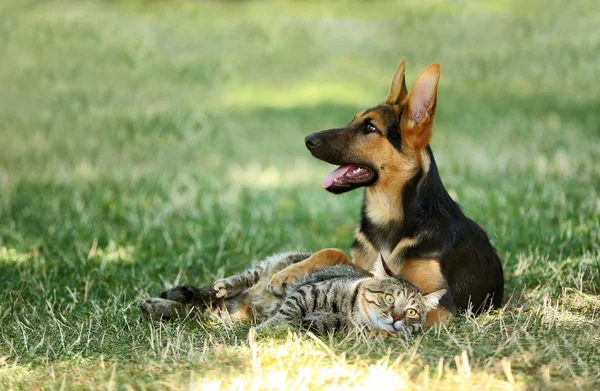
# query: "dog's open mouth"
x,y
347,178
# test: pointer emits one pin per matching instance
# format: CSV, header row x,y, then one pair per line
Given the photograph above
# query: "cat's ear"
x,y
381,269
433,299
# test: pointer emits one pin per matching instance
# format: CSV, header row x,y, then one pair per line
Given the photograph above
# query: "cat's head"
x,y
394,304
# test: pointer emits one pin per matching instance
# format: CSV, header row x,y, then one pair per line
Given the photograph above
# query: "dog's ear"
x,y
398,89
416,123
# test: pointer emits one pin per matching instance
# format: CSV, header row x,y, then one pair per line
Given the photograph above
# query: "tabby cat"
x,y
335,298
341,298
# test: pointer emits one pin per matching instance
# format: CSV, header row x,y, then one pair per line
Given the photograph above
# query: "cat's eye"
x,y
411,312
389,298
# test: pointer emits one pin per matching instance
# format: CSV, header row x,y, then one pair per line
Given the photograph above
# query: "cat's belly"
x,y
254,304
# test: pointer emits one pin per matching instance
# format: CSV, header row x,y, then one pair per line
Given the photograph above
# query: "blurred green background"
x,y
149,143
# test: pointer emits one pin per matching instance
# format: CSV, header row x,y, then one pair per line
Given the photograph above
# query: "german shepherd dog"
x,y
407,214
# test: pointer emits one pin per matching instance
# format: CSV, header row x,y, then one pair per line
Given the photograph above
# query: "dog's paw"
x,y
276,286
281,280
158,308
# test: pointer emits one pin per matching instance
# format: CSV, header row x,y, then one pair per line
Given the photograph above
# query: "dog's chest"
x,y
395,255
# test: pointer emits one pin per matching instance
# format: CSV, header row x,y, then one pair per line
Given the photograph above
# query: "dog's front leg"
x,y
319,260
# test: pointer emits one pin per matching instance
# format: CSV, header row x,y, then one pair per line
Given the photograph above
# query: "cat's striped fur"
x,y
335,298
340,298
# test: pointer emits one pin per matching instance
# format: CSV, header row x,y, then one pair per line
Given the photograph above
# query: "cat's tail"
x,y
179,301
201,297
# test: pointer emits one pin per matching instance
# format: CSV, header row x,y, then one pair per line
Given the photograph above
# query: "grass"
x,y
148,144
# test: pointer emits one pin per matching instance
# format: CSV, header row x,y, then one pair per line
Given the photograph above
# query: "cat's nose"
x,y
395,318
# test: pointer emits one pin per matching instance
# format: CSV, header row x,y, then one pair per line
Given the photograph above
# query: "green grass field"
x,y
149,144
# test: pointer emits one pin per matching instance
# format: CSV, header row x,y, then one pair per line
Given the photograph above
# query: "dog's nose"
x,y
312,141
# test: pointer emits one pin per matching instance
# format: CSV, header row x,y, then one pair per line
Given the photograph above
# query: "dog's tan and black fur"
x,y
407,214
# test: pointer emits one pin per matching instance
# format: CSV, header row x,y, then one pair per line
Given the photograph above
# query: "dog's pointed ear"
x,y
417,118
398,89
381,269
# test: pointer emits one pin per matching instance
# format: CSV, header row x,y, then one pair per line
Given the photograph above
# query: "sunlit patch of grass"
x,y
228,358
300,93
255,176
11,255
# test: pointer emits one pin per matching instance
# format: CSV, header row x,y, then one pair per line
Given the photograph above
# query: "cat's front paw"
x,y
281,280
268,327
381,333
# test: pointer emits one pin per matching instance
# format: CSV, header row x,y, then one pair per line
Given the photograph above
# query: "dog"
x,y
407,215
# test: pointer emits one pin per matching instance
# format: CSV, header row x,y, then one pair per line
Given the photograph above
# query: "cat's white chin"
x,y
400,328
390,326
383,324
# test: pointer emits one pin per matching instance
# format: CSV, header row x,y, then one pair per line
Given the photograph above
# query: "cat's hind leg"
x,y
179,300
318,260
234,285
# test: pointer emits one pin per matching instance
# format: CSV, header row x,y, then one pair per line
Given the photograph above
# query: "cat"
x,y
375,301
342,298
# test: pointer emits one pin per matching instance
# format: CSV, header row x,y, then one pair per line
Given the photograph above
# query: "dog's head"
x,y
384,145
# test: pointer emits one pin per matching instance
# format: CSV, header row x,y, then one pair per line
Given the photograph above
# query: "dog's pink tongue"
x,y
340,172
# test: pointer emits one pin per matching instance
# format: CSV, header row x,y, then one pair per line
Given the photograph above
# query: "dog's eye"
x,y
389,299
411,313
370,128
